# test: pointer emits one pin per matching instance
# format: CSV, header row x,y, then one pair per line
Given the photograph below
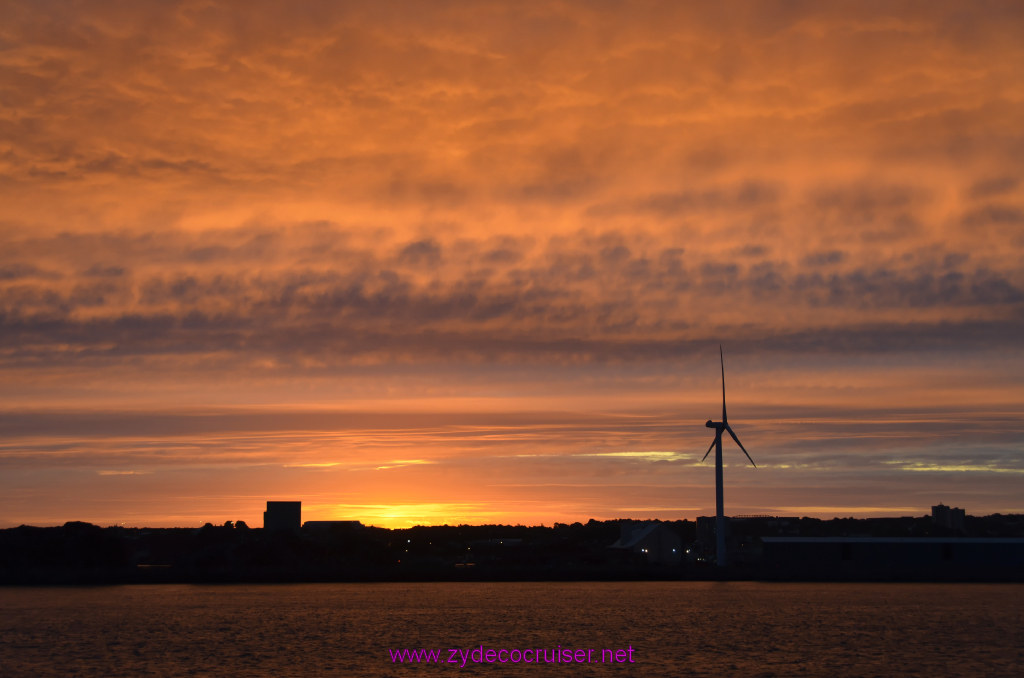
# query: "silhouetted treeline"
x,y
78,552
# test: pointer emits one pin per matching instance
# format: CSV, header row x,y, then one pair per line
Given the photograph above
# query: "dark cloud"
x,y
752,251
994,215
421,252
742,196
988,287
889,288
17,271
101,271
503,255
824,258
866,203
988,188
609,296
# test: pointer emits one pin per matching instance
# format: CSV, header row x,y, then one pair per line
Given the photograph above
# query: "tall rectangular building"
x,y
952,518
283,515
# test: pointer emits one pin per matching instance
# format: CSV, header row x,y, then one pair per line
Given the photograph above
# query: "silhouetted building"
x,y
655,542
328,526
707,528
763,525
282,515
952,518
894,556
742,535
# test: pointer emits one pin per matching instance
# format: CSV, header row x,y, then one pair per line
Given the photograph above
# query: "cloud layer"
x,y
453,207
316,295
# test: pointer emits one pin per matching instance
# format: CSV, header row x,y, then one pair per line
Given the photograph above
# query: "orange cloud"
x,y
451,209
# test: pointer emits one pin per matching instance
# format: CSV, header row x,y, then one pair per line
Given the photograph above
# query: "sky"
x,y
472,262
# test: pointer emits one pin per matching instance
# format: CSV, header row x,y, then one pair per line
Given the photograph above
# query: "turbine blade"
x,y
722,359
709,450
729,429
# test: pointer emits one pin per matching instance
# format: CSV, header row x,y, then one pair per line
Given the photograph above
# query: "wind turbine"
x,y
719,426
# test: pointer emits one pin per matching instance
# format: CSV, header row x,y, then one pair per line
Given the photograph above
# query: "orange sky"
x,y
471,262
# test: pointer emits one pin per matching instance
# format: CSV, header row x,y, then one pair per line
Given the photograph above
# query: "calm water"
x,y
675,628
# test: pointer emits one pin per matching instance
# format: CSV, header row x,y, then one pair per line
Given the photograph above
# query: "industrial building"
x,y
654,542
894,557
283,515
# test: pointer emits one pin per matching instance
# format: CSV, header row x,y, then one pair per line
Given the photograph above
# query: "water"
x,y
674,628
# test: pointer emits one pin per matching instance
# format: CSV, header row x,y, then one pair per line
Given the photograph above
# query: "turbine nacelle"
x,y
710,424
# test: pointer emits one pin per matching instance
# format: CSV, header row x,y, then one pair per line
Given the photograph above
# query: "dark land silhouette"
x,y
989,548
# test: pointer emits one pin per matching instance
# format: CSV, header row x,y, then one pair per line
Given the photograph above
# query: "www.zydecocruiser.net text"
x,y
532,655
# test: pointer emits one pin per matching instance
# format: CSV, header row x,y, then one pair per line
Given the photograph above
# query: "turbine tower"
x,y
720,555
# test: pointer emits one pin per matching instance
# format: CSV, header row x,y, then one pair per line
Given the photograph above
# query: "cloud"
x,y
449,106
995,215
747,195
990,187
572,200
421,252
299,292
18,271
594,464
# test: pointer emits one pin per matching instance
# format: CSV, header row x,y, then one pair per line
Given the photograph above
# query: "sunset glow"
x,y
426,263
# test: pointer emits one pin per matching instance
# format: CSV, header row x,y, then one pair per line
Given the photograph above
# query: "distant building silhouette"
x,y
282,515
903,557
952,518
655,542
742,534
328,526
707,528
